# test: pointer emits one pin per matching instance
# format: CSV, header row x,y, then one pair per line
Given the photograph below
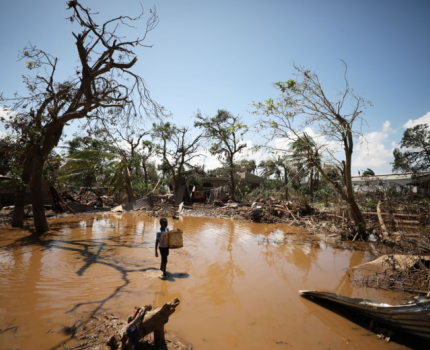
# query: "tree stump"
x,y
146,321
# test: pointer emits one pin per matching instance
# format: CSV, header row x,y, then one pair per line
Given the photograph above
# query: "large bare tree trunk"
x,y
357,216
347,194
18,211
145,172
286,184
128,185
21,188
233,184
53,134
40,222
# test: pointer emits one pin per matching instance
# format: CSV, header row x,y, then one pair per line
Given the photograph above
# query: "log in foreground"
x,y
145,322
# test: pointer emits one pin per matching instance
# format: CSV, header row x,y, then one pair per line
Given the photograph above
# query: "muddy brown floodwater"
x,y
238,283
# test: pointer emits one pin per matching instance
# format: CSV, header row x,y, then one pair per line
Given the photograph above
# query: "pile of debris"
x,y
86,200
404,266
332,222
154,205
6,212
262,210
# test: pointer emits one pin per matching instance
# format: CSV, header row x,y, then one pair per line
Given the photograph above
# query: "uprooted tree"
x,y
103,87
303,103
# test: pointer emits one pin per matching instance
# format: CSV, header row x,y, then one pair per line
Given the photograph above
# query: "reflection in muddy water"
x,y
238,283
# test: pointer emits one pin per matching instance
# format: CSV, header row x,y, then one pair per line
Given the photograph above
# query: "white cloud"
x,y
371,151
209,161
212,162
386,127
6,113
413,122
327,145
251,154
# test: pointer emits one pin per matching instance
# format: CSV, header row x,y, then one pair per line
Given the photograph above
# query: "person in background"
x,y
162,242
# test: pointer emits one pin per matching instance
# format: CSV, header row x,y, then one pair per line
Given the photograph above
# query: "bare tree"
x,y
177,147
133,138
102,86
303,103
225,134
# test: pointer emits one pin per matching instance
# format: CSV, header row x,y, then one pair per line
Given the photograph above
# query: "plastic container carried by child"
x,y
175,239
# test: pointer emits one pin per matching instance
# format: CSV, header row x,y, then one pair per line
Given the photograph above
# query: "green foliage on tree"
x,y
269,168
416,157
247,165
224,133
88,162
305,103
368,172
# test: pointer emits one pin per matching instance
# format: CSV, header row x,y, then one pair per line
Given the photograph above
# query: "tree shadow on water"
x,y
92,251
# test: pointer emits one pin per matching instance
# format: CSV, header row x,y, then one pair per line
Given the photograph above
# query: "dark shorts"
x,y
164,252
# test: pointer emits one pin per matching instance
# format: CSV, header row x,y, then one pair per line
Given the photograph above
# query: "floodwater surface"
x,y
237,282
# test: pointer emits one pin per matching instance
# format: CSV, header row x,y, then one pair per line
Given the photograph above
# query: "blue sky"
x,y
210,55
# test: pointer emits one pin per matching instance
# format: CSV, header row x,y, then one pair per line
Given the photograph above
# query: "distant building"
x,y
416,184
7,193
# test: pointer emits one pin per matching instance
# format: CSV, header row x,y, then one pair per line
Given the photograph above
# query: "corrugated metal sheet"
x,y
412,317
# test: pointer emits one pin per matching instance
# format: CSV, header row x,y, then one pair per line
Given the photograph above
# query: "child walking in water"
x,y
163,242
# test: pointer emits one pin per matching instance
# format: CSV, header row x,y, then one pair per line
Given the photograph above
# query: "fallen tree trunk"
x,y
385,234
146,321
